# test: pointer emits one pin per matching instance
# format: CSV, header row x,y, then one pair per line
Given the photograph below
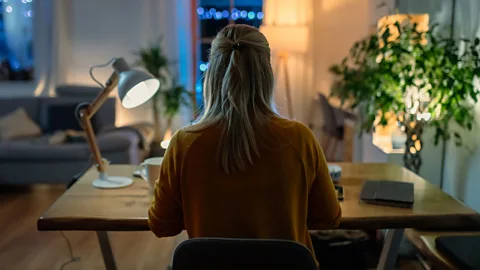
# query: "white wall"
x,y
101,30
337,25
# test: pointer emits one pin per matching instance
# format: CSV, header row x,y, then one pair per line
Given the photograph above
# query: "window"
x,y
212,16
16,48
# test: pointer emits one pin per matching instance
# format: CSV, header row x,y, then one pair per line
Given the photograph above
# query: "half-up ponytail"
x,y
238,94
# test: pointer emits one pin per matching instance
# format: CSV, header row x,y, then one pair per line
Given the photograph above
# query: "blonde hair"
x,y
238,93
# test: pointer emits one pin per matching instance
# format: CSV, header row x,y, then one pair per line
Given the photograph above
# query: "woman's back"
x,y
286,186
242,171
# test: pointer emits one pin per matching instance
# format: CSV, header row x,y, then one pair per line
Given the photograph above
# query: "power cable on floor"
x,y
70,250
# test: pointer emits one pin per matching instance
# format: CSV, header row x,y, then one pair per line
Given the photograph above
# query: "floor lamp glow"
x,y
135,87
285,40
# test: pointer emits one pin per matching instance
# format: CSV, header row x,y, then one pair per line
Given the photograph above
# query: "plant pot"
x,y
413,146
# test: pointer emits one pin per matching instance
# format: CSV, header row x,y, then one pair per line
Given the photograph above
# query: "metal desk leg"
x,y
106,250
390,249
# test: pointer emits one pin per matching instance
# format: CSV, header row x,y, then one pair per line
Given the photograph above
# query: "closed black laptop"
x,y
391,193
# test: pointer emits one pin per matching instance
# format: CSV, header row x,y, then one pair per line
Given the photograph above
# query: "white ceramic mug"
x,y
151,171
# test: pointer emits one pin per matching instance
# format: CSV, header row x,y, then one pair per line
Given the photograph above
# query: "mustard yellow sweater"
x,y
284,193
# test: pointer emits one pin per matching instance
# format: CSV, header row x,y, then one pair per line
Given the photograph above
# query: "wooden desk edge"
x,y
91,224
467,221
443,222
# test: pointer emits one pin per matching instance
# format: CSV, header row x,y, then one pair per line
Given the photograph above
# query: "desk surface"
x,y
84,207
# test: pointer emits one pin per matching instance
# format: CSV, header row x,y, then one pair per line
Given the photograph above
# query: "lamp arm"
x,y
87,112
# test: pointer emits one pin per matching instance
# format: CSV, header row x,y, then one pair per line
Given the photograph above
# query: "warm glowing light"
x,y
164,144
332,5
166,138
389,22
297,40
140,93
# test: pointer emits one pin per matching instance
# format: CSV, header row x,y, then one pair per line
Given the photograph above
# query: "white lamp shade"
x,y
286,38
136,87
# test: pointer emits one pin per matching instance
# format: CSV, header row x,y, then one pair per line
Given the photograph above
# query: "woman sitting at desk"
x,y
242,170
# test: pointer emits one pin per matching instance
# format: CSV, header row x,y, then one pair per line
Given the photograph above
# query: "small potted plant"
x,y
171,96
173,99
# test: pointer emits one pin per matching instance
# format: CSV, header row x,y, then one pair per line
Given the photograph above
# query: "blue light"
x,y
234,14
203,67
225,14
29,13
198,87
16,65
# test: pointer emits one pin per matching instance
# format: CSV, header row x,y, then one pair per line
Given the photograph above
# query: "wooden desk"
x,y
84,207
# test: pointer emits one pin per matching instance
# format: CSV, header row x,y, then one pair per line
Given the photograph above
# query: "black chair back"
x,y
227,253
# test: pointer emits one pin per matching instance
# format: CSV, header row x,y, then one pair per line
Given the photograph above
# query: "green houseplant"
x,y
174,98
171,95
419,76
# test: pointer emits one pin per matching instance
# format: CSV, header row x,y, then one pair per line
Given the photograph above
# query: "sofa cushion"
x,y
62,117
30,104
18,125
59,114
78,91
36,149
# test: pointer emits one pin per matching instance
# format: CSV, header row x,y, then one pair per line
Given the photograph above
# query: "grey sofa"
x,y
35,160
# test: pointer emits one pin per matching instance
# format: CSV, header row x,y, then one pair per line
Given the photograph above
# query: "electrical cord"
x,y
70,250
99,66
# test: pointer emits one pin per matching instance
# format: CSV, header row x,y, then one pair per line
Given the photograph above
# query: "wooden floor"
x,y
22,247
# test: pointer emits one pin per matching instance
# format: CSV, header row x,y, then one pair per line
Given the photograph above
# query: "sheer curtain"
x,y
17,17
51,44
467,19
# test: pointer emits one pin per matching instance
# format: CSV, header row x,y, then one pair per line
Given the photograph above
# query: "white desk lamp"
x,y
135,87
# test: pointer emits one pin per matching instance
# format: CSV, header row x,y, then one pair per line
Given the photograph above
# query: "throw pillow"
x,y
18,124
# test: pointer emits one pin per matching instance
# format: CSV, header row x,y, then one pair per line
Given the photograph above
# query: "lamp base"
x,y
112,182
